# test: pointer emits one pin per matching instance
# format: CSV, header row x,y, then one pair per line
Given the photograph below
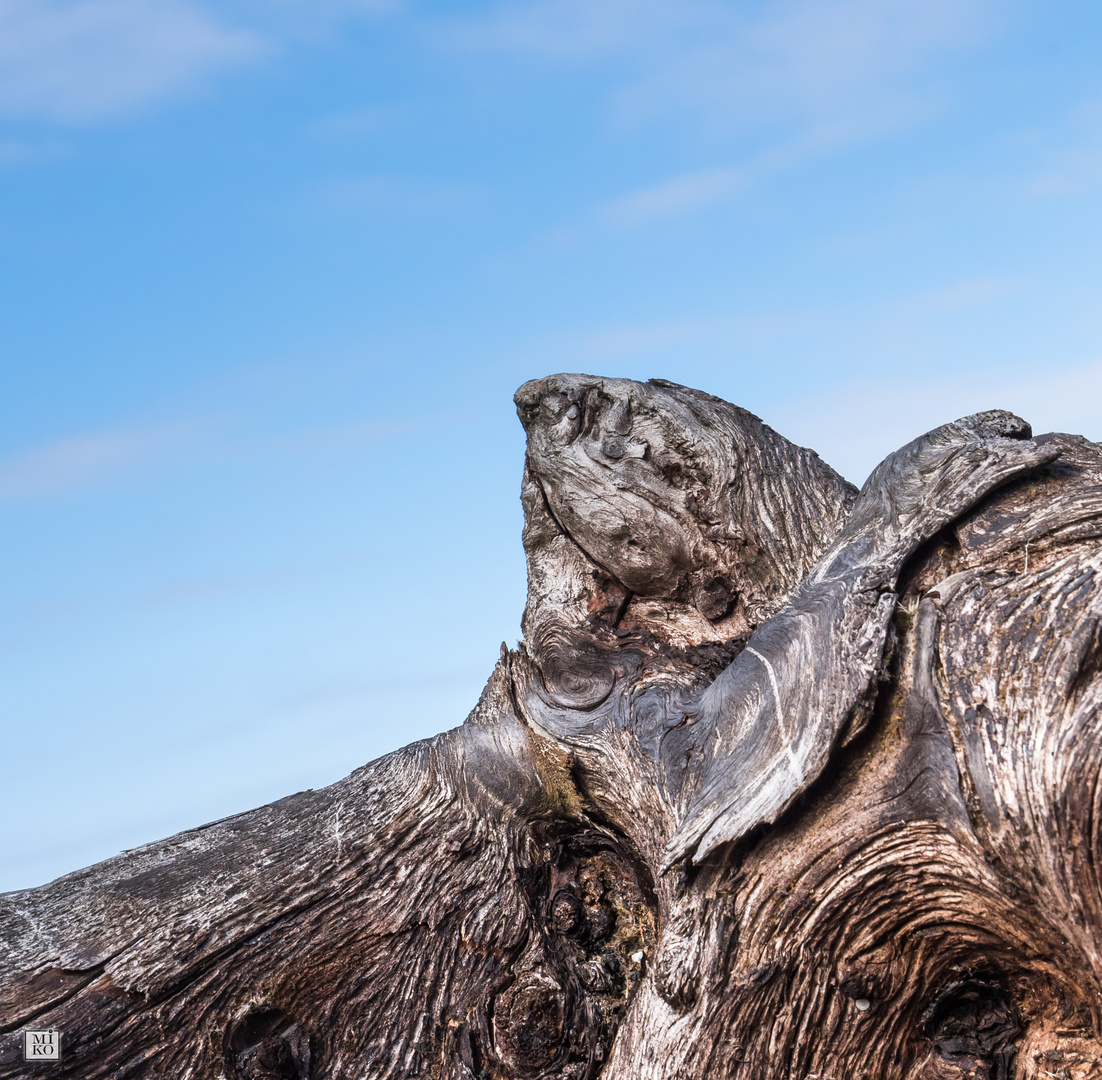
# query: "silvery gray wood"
x,y
784,780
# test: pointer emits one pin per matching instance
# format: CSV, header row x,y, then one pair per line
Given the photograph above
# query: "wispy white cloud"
x,y
689,192
75,61
959,296
356,122
78,60
825,59
575,30
309,12
71,464
393,196
846,65
811,75
675,196
1076,166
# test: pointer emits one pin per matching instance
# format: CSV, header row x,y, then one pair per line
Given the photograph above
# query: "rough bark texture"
x,y
784,780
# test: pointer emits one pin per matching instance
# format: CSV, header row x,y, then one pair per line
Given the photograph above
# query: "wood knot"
x,y
973,1030
599,922
595,977
715,598
529,1024
565,912
266,1044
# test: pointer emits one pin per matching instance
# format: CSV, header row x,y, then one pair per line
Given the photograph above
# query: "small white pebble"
x,y
862,1004
637,956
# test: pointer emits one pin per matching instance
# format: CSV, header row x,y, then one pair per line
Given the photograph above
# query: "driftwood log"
x,y
785,780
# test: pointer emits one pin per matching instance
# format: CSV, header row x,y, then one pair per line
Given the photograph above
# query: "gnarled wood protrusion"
x,y
785,780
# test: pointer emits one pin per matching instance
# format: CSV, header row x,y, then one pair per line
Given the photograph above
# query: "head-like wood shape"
x,y
673,496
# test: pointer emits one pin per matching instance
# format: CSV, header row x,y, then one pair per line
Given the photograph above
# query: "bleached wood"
x,y
784,780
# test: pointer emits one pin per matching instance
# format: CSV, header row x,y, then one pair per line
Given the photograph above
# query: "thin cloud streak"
x,y
76,463
845,65
72,464
690,192
1076,167
83,60
359,122
673,197
390,196
582,30
820,76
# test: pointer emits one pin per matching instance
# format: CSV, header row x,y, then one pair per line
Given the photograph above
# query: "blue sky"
x,y
270,271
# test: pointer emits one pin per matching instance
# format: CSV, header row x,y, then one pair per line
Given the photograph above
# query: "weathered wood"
x,y
784,780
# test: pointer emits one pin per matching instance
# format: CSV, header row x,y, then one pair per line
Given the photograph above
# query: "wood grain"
x,y
784,780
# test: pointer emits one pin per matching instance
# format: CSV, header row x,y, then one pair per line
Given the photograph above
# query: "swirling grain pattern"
x,y
785,780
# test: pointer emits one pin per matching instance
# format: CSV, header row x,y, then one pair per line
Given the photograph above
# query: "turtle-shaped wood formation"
x,y
784,780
